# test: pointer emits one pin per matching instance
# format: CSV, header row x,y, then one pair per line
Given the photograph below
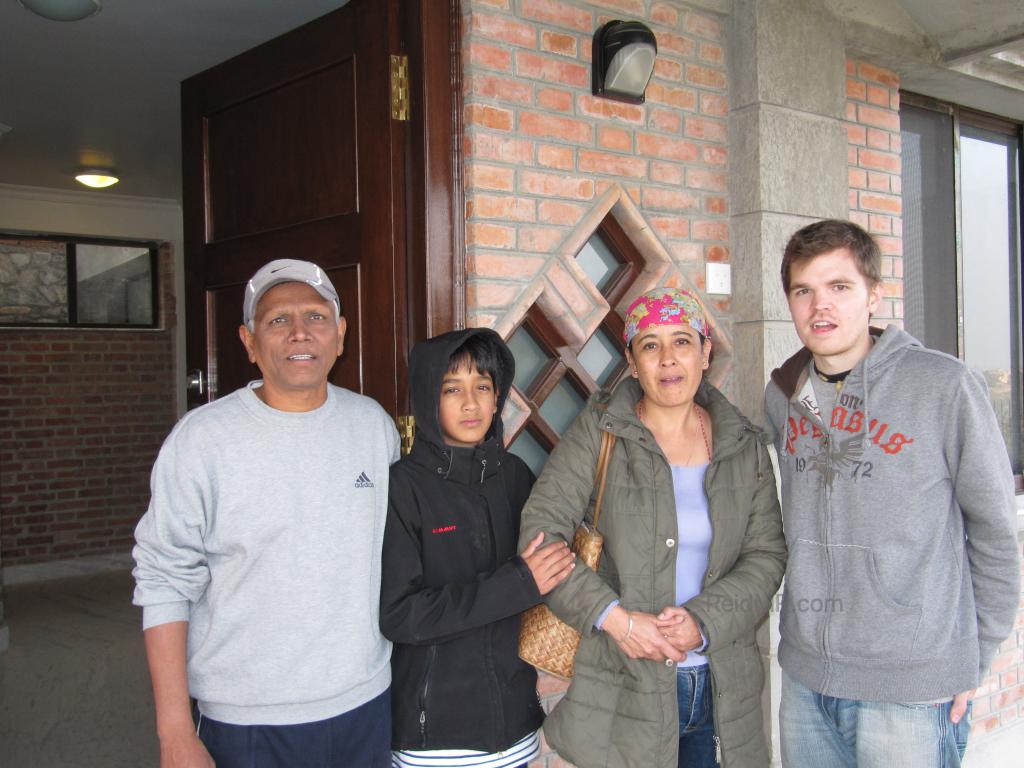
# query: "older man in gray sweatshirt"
x,y
258,560
898,504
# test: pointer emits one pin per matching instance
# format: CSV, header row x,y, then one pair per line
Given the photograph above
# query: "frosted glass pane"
x,y
530,451
598,262
562,406
929,228
530,358
599,357
989,205
115,285
987,260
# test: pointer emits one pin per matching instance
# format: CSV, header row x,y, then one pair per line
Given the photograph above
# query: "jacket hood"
x,y
428,363
887,344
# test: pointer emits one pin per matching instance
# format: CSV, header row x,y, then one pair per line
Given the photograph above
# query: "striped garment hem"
x,y
523,751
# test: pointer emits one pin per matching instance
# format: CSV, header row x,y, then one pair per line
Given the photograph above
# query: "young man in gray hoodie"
x,y
258,561
899,511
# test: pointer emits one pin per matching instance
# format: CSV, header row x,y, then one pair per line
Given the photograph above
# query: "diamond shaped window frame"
x,y
563,351
563,309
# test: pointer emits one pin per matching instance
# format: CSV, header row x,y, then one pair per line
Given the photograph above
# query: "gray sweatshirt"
x,y
264,532
903,574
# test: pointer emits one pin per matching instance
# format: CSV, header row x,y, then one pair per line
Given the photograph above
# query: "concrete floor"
x,y
74,688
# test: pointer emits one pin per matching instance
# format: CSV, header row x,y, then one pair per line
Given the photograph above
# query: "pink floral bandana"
x,y
665,306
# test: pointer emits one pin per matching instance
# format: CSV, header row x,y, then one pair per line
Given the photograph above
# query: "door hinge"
x,y
399,87
406,432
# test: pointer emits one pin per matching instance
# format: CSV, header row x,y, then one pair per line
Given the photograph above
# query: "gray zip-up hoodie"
x,y
903,574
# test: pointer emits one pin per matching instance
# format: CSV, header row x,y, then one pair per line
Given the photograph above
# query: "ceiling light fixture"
x,y
63,10
97,178
624,53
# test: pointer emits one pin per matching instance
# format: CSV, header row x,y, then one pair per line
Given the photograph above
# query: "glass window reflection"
x,y
600,357
562,406
530,358
530,451
598,261
989,189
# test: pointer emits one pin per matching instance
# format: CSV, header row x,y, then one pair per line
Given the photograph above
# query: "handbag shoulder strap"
x,y
607,443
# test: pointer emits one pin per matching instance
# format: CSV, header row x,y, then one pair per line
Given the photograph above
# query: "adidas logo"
x,y
363,481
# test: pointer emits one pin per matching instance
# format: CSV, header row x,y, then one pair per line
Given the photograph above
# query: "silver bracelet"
x,y
629,629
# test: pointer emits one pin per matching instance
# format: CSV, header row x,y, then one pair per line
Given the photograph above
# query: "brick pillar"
x,y
788,147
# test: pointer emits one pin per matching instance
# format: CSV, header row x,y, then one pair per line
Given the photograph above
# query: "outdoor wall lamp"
x,y
624,53
63,10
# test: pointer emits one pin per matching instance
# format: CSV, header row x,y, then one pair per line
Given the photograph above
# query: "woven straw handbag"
x,y
545,641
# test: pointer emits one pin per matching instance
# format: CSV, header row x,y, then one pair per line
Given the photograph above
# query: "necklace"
x,y
641,411
831,378
836,379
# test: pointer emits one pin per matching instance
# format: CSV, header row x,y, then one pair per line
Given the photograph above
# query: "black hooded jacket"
x,y
452,584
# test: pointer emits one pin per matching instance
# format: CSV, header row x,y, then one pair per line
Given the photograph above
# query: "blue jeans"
x,y
697,738
820,731
360,737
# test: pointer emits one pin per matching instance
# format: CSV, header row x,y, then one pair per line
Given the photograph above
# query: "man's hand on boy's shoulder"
x,y
550,564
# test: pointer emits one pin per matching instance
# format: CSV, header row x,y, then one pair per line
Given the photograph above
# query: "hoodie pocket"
x,y
804,591
866,622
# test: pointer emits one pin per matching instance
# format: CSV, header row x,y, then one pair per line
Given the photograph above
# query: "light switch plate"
x,y
718,278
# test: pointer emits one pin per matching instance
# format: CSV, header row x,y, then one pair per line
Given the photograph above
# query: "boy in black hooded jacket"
x,y
452,585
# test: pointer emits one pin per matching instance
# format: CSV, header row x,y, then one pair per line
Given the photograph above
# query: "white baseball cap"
x,y
287,271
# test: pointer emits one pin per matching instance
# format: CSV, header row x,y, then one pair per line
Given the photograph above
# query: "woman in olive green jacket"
x,y
622,710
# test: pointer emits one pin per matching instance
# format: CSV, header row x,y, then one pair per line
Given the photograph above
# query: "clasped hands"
x,y
665,638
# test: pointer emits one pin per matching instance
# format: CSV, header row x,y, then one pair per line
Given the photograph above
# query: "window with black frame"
x,y
962,246
78,283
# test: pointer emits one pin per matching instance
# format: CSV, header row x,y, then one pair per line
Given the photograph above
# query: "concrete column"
x,y
788,158
787,165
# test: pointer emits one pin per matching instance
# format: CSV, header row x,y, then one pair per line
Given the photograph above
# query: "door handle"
x,y
195,381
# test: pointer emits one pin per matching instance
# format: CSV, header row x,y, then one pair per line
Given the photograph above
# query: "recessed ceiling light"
x,y
97,178
63,10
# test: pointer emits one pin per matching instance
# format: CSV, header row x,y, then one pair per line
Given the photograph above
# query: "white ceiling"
x,y
106,89
966,28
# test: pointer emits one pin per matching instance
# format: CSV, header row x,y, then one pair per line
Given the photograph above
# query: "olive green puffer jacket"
x,y
620,712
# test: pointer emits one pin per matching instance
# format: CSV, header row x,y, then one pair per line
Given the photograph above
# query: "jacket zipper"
x,y
483,468
704,583
714,714
827,508
826,489
424,690
716,459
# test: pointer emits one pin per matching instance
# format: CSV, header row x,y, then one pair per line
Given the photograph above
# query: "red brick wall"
x,y
873,131
999,700
82,416
540,149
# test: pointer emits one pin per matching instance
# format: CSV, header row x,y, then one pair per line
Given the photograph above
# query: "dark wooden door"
x,y
290,151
